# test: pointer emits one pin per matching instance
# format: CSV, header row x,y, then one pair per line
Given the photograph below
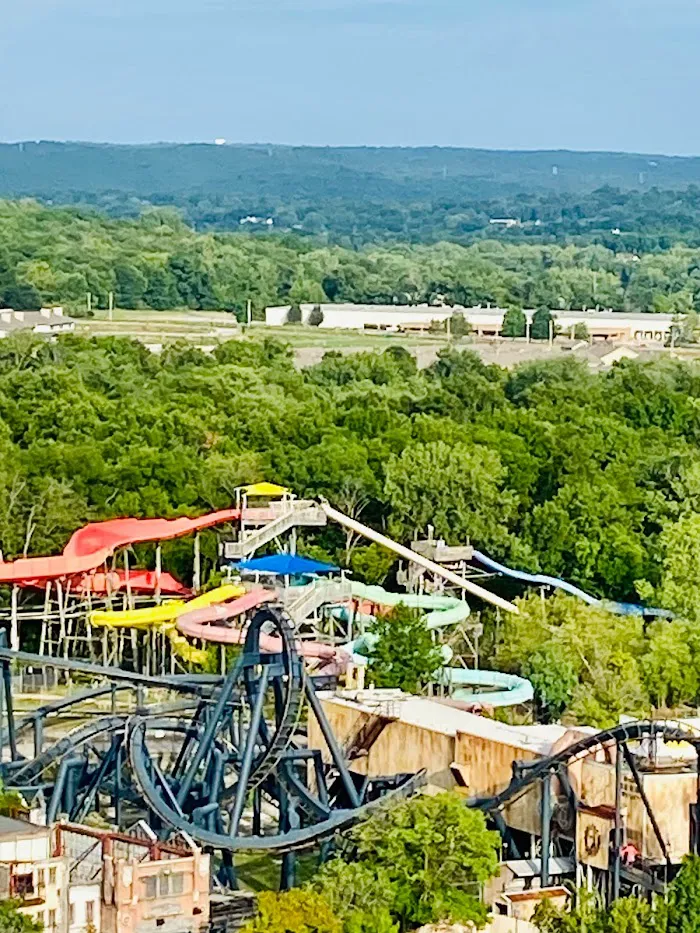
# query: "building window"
x,y
52,918
24,885
52,876
71,914
90,912
177,883
41,877
150,887
164,885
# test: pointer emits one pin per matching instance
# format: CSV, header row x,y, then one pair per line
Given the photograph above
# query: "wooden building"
x,y
389,732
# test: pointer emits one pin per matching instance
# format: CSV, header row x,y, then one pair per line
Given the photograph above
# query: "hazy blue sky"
x,y
580,74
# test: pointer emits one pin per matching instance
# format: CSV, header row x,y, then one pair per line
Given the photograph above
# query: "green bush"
x,y
294,315
295,911
316,316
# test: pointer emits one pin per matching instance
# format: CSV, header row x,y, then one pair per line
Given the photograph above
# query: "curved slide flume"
x,y
492,688
92,545
542,579
489,687
440,611
163,617
206,624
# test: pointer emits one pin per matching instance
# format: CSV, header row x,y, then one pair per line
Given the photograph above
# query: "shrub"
x,y
316,316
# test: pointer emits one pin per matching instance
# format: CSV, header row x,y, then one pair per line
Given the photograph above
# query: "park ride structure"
x,y
95,574
99,612
615,809
554,583
445,615
551,777
221,759
209,734
95,608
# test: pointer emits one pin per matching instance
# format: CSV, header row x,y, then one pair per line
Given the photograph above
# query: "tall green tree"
x,y
13,921
404,655
295,911
514,323
361,895
542,324
457,488
436,853
683,900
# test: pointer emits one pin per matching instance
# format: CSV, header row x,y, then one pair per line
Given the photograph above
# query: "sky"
x,y
506,74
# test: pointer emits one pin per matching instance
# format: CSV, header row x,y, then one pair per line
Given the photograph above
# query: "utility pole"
x,y
111,304
249,315
89,302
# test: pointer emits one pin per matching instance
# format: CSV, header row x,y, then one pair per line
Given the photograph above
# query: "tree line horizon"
x,y
59,256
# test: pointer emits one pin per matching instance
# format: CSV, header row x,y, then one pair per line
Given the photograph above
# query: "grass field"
x,y
261,871
209,327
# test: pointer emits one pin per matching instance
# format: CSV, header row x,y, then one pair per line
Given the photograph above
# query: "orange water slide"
x,y
91,546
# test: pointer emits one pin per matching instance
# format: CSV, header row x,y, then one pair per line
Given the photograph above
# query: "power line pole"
x,y
111,304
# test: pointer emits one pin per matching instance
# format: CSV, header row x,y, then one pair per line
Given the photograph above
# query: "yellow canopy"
x,y
265,489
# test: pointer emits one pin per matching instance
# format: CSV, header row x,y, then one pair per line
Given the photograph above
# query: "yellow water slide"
x,y
164,617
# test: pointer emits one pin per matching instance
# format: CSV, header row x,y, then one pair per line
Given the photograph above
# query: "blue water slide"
x,y
542,579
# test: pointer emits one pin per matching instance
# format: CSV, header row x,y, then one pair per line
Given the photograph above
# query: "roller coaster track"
x,y
76,739
228,740
288,716
280,842
526,774
185,683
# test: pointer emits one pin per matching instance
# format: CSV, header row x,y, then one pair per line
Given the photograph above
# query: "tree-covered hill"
x,y
358,172
360,195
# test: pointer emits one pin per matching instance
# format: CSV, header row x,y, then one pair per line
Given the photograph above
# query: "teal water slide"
x,y
492,688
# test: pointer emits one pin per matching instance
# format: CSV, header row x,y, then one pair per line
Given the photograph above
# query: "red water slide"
x,y
91,546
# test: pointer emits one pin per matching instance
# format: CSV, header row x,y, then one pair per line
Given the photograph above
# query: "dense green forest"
x,y
58,255
591,477
355,196
622,221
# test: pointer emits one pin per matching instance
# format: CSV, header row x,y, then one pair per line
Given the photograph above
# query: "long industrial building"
x,y
485,321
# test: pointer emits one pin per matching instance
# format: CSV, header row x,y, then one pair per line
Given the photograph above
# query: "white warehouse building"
x,y
485,322
385,317
364,317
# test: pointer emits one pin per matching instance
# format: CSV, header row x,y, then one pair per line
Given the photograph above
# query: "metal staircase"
x,y
303,601
292,514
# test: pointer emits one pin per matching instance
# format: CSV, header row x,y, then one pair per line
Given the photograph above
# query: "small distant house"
x,y
49,321
615,356
32,874
504,222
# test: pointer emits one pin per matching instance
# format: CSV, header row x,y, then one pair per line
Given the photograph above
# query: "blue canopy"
x,y
285,565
